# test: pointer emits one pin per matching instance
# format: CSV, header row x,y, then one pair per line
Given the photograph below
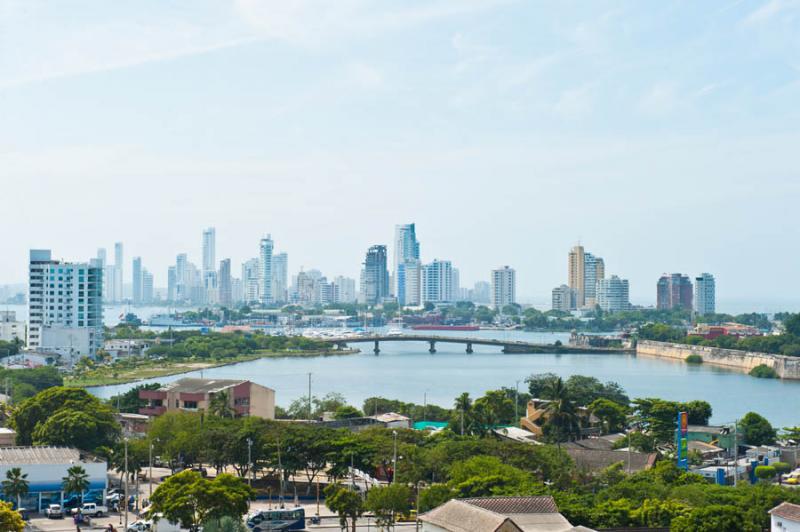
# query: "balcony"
x,y
152,395
153,410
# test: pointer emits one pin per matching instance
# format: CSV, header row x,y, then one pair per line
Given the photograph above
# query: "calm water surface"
x,y
406,371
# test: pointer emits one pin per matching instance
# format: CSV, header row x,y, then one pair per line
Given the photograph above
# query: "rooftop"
x,y
189,385
39,455
787,510
515,505
597,459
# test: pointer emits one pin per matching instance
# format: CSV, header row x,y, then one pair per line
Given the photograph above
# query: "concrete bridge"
x,y
508,346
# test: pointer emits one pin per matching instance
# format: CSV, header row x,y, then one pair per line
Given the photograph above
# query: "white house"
x,y
785,518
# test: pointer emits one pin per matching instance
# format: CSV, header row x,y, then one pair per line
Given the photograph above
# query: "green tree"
x,y
433,496
347,412
388,502
10,521
225,524
346,503
15,486
76,482
129,401
190,500
756,430
713,518
220,405
612,415
766,472
562,419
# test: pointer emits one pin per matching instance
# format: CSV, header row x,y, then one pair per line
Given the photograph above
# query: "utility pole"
x,y
309,396
425,406
516,404
126,484
735,452
394,459
280,471
462,421
250,458
150,473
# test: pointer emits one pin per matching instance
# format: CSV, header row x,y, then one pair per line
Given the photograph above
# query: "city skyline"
x,y
507,131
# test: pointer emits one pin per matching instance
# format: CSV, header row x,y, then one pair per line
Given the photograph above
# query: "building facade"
x,y
562,299
375,276
65,305
674,291
224,291
280,277
265,270
243,398
504,287
344,290
613,294
136,271
705,297
10,329
436,282
406,248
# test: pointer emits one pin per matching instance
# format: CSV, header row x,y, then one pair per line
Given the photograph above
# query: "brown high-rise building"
x,y
576,278
674,291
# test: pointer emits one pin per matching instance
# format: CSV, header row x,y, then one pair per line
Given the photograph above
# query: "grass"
x,y
145,368
694,359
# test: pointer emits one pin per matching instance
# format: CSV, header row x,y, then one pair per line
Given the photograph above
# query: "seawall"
x,y
786,367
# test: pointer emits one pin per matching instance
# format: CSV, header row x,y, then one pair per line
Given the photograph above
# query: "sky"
x,y
663,136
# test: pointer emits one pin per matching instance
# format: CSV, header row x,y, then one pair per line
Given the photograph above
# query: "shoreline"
x,y
153,371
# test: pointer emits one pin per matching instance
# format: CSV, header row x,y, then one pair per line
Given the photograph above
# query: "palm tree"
x,y
220,405
76,481
15,485
562,417
463,405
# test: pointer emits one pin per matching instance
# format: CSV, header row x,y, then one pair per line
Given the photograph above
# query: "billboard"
x,y
682,441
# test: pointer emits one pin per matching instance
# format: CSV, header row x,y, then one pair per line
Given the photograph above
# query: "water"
x,y
112,314
406,371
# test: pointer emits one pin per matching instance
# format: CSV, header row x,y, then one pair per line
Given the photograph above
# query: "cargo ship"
x,y
445,327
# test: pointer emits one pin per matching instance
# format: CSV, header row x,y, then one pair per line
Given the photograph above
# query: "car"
x,y
92,509
54,511
792,480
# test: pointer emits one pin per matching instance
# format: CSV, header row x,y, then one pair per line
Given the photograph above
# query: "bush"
x,y
694,359
762,371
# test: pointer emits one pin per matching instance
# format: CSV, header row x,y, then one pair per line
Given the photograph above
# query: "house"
x,y
392,420
46,468
536,415
785,518
720,436
125,348
8,437
497,514
595,460
133,425
245,398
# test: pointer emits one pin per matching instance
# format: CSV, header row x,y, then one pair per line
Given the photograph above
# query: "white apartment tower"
x,y
65,306
251,281
613,294
209,249
705,298
280,277
504,287
265,270
436,282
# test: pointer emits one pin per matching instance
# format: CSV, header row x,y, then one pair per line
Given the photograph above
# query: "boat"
x,y
445,328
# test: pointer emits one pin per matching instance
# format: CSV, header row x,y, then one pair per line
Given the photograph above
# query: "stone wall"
x,y
785,367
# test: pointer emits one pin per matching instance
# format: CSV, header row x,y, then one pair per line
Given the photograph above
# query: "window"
x,y
190,404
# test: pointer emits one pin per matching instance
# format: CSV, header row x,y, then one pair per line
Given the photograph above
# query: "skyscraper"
x,y
613,294
674,291
409,278
705,298
406,247
375,276
344,290
280,277
504,287
65,307
436,284
119,285
251,280
147,287
209,249
265,270
172,284
137,281
224,283
585,270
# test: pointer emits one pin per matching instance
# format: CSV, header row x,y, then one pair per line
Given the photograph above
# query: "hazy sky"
x,y
663,135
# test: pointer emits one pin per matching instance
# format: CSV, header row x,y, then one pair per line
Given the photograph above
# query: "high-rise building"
x,y
409,278
594,270
406,247
344,290
147,287
172,284
265,270
436,282
280,277
137,281
613,294
209,250
705,298
375,276
251,274
576,275
119,282
562,298
504,287
674,291
224,295
65,305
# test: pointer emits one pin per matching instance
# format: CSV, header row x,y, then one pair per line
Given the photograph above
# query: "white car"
x,y
93,509
53,511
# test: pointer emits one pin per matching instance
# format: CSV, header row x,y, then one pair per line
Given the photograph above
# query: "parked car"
x,y
91,508
54,512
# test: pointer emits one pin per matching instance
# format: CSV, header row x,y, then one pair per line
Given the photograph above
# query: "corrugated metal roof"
x,y
189,385
38,455
787,510
515,505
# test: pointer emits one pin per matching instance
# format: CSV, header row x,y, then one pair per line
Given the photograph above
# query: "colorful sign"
x,y
682,441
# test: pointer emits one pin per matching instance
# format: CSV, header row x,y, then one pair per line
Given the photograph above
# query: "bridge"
x,y
508,346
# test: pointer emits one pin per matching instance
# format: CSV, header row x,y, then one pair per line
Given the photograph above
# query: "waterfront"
x,y
406,371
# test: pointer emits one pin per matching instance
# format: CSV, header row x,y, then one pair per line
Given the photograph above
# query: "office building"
x,y
344,290
148,292
436,282
225,296
209,250
65,305
119,282
375,276
562,298
280,278
251,281
504,287
705,299
674,291
244,398
613,294
409,278
265,270
136,271
406,248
